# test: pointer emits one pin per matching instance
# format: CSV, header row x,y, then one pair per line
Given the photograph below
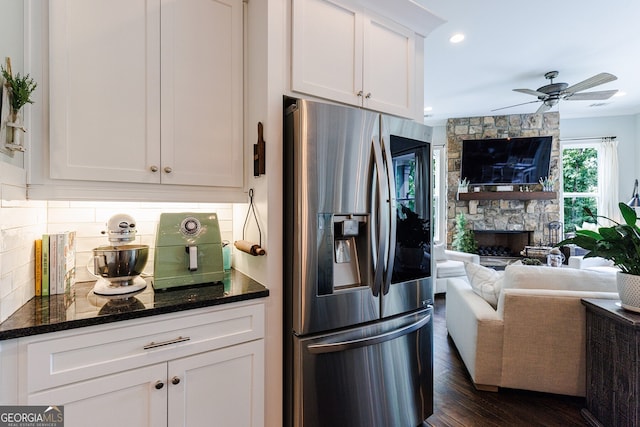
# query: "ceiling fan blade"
x,y
515,105
531,92
543,108
596,80
591,96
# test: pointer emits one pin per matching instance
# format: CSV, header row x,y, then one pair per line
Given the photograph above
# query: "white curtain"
x,y
608,180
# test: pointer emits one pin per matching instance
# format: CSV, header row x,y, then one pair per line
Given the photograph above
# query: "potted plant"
x,y
463,185
547,183
19,90
464,239
619,243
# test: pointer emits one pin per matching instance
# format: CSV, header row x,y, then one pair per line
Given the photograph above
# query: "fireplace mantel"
x,y
508,195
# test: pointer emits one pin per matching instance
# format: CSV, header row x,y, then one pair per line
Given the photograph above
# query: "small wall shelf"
x,y
508,195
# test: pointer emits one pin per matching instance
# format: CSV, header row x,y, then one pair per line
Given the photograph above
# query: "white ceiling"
x,y
511,44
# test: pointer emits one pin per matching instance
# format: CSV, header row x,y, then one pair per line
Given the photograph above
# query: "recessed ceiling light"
x,y
456,38
620,93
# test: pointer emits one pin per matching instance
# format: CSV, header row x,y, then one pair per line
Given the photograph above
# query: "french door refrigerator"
x,y
358,289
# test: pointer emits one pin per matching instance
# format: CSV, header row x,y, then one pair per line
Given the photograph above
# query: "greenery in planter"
x,y
20,89
412,231
464,239
619,243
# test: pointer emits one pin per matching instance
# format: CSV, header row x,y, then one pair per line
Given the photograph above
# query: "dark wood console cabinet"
x,y
613,365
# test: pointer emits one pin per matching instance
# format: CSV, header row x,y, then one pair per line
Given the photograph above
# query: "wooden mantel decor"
x,y
508,195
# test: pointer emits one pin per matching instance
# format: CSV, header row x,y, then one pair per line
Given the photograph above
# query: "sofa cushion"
x,y
568,279
450,268
486,282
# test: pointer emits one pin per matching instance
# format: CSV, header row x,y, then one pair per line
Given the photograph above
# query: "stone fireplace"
x,y
510,213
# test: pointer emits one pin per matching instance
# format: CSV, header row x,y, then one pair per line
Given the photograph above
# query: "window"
x,y
405,167
580,162
438,216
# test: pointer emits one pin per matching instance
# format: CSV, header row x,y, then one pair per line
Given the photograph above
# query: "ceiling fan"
x,y
552,93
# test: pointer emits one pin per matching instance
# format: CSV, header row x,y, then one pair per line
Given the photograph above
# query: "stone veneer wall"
x,y
511,215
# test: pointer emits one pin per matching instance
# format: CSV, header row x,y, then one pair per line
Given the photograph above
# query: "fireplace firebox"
x,y
502,245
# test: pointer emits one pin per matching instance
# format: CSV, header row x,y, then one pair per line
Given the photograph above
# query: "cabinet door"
x,y
129,398
220,388
105,90
202,92
327,50
389,67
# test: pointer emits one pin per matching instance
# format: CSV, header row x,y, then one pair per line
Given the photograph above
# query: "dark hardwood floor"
x,y
457,403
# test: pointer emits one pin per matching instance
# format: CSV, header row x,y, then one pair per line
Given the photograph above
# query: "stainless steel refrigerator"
x,y
358,288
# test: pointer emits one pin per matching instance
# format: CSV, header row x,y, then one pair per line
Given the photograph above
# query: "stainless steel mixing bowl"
x,y
120,264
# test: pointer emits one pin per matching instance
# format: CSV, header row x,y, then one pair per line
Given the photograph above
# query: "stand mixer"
x,y
118,266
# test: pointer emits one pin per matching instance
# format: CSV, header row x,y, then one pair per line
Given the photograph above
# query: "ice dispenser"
x,y
344,252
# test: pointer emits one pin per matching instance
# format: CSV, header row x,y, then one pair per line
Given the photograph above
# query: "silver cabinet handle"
x,y
167,169
175,380
359,93
368,95
158,385
163,343
154,168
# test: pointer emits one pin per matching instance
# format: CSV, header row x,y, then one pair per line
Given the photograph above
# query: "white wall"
x,y
88,219
21,222
626,129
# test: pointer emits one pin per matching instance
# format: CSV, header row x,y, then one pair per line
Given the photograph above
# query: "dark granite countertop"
x,y
81,307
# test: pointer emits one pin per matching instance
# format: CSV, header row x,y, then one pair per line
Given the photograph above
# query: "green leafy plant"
x,y
464,182
619,243
20,89
464,239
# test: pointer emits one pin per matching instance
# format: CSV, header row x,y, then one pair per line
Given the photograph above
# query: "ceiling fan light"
x,y
456,38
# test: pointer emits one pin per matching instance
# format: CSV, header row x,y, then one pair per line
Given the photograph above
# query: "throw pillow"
x,y
486,282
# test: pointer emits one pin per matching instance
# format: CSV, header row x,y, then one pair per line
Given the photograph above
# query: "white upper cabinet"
x,y
389,67
104,90
327,50
147,91
344,53
201,94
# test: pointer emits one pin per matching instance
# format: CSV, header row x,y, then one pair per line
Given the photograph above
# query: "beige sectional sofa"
x,y
534,337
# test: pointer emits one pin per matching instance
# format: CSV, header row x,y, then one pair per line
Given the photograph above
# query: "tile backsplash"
x,y
21,223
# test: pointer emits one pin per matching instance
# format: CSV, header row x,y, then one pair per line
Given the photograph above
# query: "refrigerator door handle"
x,y
364,342
391,235
378,227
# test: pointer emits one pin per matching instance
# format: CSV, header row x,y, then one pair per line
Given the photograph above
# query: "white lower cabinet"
x,y
204,368
125,399
218,388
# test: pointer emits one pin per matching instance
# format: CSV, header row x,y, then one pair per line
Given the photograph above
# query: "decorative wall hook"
x,y
259,164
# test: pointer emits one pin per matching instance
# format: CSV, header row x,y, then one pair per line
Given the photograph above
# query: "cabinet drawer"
x,y
67,357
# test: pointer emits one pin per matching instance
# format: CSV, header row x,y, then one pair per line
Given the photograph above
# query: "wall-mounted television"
x,y
506,160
